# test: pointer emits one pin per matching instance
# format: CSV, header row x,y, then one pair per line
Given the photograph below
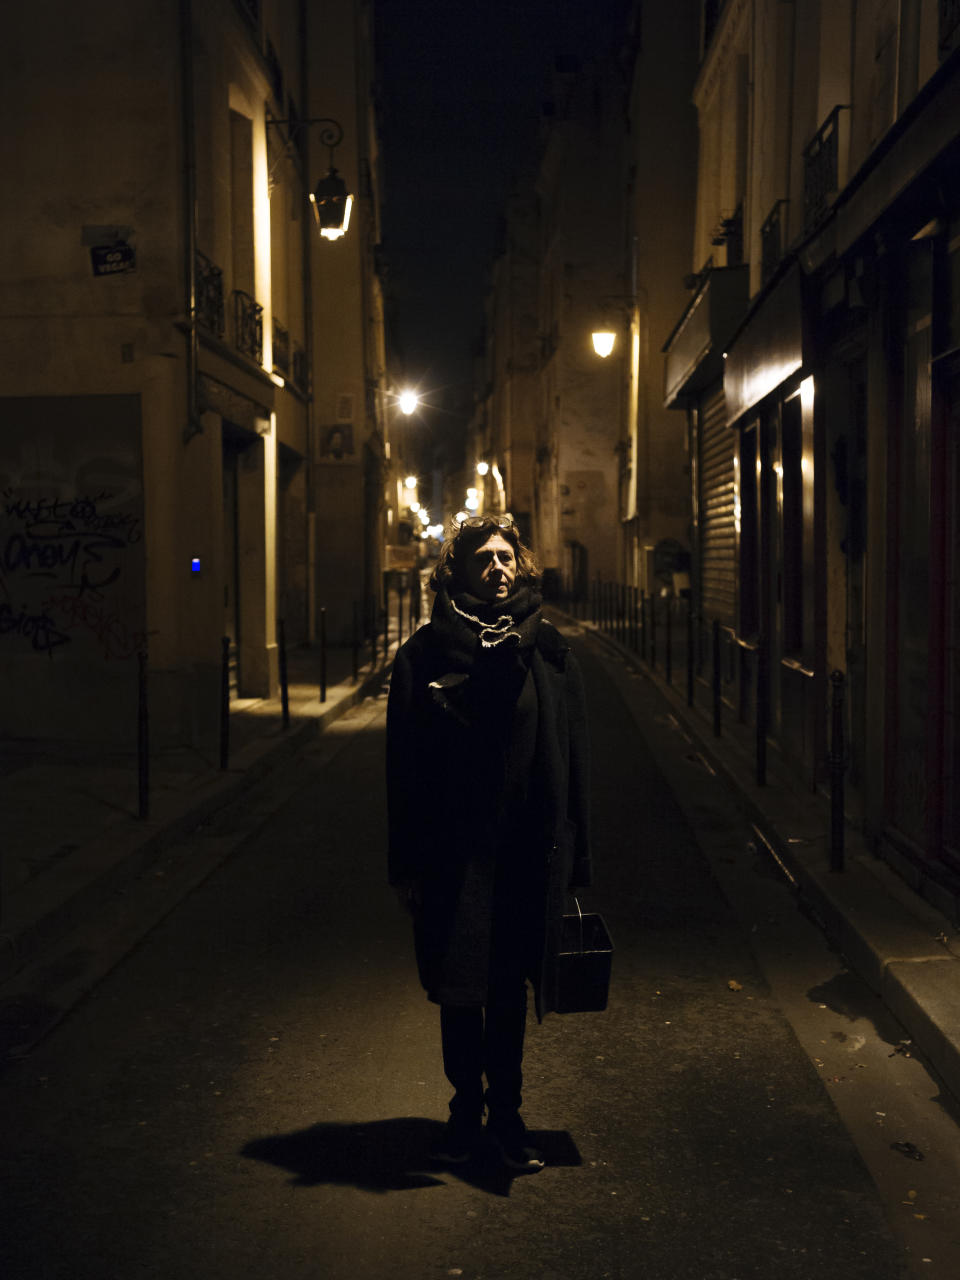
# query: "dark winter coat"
x,y
447,777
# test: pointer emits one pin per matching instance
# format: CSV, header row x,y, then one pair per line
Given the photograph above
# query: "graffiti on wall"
x,y
71,535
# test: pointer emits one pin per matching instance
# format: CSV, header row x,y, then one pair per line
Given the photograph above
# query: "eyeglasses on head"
x,y
504,521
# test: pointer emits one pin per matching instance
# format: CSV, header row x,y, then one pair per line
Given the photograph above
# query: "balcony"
x,y
821,170
948,26
209,296
281,349
301,370
251,11
773,240
248,325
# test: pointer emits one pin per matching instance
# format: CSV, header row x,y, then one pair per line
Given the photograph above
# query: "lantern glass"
x,y
332,204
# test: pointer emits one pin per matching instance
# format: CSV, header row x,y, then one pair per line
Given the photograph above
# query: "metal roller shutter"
x,y
718,539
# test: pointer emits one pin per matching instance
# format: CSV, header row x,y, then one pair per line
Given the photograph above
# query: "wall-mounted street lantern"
x,y
603,342
330,200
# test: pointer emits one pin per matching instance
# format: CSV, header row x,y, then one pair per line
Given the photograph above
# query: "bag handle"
x,y
580,914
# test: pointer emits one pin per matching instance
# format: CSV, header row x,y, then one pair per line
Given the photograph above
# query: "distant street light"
x,y
483,468
410,482
603,340
408,402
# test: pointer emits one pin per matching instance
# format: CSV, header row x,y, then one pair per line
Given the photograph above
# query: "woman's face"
x,y
491,569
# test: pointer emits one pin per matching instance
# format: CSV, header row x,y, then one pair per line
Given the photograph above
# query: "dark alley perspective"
x,y
480,640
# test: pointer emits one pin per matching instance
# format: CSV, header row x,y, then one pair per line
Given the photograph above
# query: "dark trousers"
x,y
486,1041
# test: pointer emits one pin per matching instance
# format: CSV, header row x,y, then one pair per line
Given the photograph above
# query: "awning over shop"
x,y
767,349
695,349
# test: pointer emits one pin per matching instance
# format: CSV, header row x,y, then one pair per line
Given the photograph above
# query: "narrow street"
x,y
251,1092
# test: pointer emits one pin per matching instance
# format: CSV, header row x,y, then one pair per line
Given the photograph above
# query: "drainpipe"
x,y
192,426
305,229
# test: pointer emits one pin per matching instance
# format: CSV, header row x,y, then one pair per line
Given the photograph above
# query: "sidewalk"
x,y
72,833
905,949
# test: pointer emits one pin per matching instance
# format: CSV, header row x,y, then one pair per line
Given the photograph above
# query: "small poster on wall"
x,y
336,442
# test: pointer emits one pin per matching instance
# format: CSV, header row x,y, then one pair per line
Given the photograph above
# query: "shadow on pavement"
x,y
393,1155
848,995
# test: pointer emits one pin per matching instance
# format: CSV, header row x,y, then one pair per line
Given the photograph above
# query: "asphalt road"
x,y
251,1092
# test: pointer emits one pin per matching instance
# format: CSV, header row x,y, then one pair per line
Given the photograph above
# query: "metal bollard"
x,y
323,655
838,765
400,593
717,683
643,625
143,738
224,702
373,632
689,651
653,630
355,642
762,709
668,644
282,663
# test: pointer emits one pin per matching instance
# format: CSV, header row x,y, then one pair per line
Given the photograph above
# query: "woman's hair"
x,y
463,540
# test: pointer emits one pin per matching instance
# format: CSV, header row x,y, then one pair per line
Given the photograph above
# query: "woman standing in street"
x,y
487,789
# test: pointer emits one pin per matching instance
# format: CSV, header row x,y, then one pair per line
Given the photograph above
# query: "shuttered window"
x,y
718,542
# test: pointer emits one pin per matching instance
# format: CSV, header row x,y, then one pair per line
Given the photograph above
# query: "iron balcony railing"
x,y
821,164
209,298
281,349
772,244
301,370
251,11
248,325
949,26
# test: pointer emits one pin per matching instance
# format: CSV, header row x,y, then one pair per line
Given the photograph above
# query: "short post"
x,y
643,625
690,651
400,594
634,633
143,738
355,642
668,642
224,702
653,630
717,684
837,763
282,662
373,632
323,655
762,710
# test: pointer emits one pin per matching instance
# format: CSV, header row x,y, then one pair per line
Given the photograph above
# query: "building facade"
x,y
578,445
192,442
816,363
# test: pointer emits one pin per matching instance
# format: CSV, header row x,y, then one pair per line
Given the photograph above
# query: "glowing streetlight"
x,y
603,341
483,468
408,402
410,482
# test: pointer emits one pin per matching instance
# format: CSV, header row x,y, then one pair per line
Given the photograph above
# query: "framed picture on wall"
x,y
336,441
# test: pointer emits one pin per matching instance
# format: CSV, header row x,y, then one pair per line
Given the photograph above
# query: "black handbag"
x,y
583,963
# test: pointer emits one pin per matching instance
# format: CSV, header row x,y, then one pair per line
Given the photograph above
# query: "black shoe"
x,y
515,1151
457,1143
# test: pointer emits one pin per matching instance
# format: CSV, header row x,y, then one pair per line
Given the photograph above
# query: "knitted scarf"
x,y
486,647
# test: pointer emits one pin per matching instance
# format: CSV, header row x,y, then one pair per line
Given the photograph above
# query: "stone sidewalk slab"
x,y
901,945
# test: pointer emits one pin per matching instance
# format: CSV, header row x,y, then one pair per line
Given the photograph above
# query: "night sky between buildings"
x,y
461,92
